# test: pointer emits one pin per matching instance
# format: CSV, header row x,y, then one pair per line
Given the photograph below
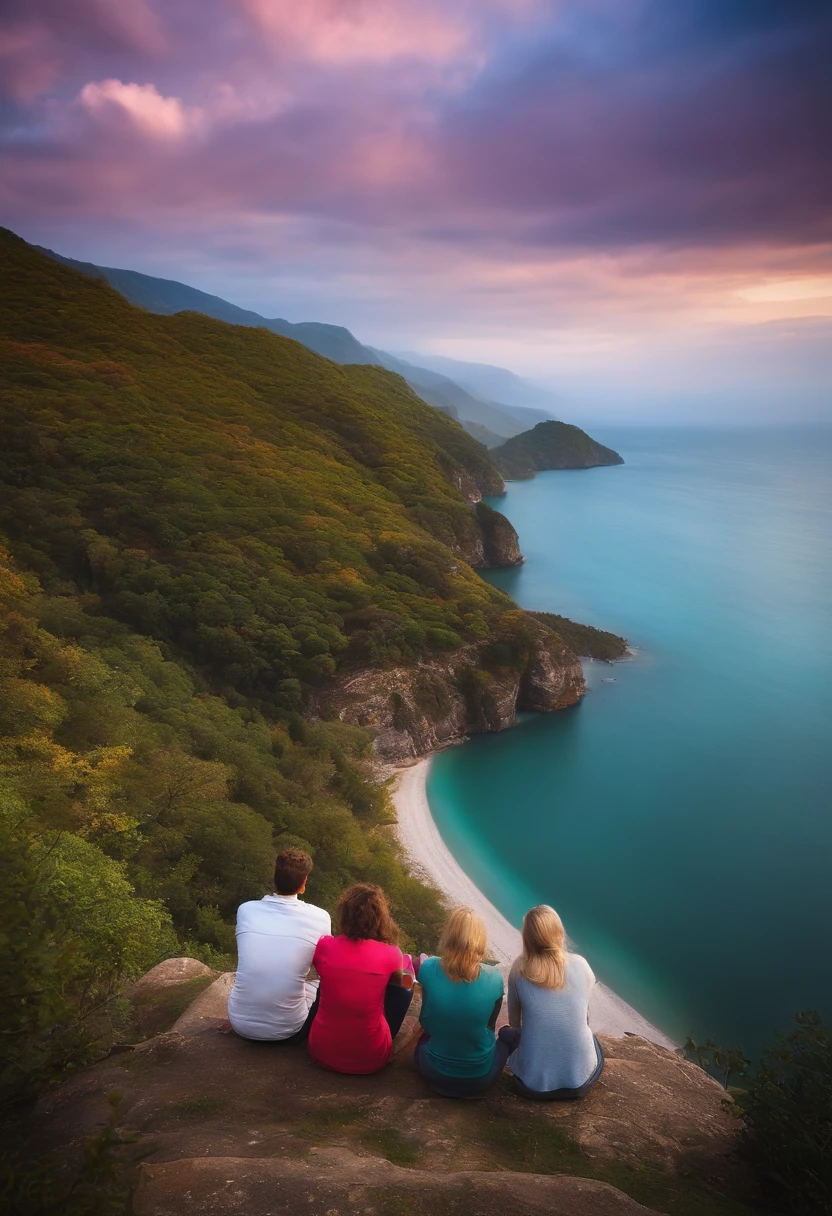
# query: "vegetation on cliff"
x,y
585,640
137,809
551,445
204,527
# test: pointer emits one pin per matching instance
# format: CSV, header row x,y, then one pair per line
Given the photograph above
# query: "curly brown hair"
x,y
363,913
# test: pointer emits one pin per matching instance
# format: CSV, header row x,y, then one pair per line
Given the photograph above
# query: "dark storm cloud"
x,y
695,123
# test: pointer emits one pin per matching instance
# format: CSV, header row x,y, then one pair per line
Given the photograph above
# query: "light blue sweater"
x,y
557,1050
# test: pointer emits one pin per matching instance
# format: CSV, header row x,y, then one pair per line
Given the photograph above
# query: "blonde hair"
x,y
462,945
543,961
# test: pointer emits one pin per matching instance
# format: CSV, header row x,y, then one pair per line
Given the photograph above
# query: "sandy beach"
x,y
428,854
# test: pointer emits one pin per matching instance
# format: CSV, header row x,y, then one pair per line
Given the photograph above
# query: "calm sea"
x,y
680,818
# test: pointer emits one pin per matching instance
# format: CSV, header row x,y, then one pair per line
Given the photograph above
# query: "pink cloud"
x,y
356,31
142,104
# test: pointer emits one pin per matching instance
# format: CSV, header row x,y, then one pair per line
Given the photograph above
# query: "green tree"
x,y
788,1119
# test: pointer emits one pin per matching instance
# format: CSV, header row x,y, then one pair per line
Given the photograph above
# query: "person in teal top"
x,y
458,1055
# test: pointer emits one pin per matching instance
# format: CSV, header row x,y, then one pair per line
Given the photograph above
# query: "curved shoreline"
x,y
430,856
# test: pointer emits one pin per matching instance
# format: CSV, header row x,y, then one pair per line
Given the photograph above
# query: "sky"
x,y
629,200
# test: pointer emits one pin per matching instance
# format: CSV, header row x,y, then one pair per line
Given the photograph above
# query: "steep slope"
x,y
551,445
211,532
166,296
441,391
274,515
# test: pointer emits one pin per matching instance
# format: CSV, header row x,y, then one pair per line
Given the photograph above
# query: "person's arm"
x,y
514,1008
498,1004
401,978
495,1013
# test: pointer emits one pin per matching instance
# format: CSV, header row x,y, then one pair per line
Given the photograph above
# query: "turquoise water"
x,y
680,818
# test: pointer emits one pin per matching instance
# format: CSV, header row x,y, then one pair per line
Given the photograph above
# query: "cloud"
x,y
363,31
563,176
144,106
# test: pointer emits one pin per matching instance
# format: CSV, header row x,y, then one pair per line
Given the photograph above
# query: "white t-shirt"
x,y
276,938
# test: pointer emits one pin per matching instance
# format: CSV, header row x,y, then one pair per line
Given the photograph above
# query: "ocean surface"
x,y
680,818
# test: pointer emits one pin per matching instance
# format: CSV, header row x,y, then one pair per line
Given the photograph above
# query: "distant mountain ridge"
x,y
167,296
491,383
489,422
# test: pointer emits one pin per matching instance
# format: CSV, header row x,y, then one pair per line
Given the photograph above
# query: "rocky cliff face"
x,y
414,710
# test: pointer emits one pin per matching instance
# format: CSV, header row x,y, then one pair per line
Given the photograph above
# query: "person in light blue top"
x,y
554,1054
458,1055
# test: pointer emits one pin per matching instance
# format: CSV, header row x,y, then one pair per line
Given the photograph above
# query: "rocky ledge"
x,y
414,710
192,1122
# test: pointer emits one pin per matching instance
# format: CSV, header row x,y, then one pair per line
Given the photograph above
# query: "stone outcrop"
x,y
415,710
501,544
207,1124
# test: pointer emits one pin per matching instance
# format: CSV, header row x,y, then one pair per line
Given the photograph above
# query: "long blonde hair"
x,y
462,945
543,961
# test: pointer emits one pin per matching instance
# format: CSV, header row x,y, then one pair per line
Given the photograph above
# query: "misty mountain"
x,y
489,422
166,296
446,394
517,394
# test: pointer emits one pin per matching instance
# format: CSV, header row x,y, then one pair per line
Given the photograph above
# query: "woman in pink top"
x,y
363,1000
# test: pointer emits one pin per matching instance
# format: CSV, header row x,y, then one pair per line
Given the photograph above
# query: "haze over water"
x,y
679,818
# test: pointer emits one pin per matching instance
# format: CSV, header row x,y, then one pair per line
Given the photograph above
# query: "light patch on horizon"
x,y
789,290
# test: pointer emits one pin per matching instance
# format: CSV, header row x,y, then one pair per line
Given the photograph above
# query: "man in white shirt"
x,y
276,939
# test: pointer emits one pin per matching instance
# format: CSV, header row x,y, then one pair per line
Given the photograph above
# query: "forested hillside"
x,y
205,527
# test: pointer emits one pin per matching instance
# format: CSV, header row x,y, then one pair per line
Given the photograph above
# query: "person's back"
x,y
363,1002
276,941
557,1048
350,1033
554,1054
459,1018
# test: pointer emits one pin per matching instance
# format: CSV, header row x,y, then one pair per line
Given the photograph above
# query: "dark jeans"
x,y
459,1087
510,1035
300,1036
396,1004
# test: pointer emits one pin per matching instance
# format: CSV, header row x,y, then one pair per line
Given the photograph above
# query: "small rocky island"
x,y
551,445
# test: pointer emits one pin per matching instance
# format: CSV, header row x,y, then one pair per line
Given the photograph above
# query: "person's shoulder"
x,y
325,943
579,967
427,968
316,914
493,976
249,909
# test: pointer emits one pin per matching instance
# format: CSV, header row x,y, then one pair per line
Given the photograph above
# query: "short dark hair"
x,y
363,913
291,867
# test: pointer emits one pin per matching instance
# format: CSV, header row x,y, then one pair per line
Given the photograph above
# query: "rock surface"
x,y
336,1181
170,972
210,1124
415,710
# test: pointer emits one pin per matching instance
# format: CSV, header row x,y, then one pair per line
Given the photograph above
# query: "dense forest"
x,y
203,527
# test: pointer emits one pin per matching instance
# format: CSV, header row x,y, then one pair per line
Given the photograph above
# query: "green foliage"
x,y
204,524
271,515
723,1063
788,1119
551,445
585,640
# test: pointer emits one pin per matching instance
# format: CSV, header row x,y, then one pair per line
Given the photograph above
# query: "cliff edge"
x,y
198,1123
481,687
